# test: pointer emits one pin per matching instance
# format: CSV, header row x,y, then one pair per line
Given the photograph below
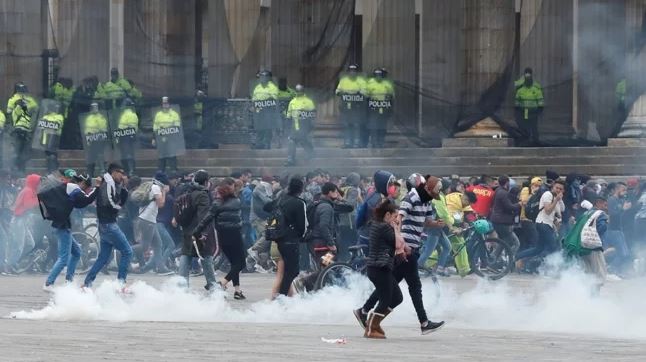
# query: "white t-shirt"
x,y
545,218
149,213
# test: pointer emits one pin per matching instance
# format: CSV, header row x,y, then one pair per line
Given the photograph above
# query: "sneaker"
x,y
260,269
362,317
253,254
239,296
431,327
48,288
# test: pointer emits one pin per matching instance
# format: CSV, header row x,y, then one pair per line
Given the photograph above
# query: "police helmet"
x,y
353,68
20,87
378,72
299,88
127,102
265,73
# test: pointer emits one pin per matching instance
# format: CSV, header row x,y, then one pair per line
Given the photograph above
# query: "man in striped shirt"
x,y
415,213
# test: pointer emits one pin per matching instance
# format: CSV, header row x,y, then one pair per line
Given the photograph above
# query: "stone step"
x,y
394,152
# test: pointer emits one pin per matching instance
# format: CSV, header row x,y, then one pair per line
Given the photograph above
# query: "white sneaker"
x,y
253,254
260,269
48,288
613,278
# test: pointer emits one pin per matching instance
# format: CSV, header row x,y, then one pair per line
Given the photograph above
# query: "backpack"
x,y
141,195
532,208
183,210
310,214
277,228
54,202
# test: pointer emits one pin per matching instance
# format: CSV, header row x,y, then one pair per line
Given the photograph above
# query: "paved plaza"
x,y
518,318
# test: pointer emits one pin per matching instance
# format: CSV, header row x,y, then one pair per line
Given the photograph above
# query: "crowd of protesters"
x,y
192,224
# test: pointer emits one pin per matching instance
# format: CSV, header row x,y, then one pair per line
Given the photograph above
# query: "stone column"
x,y
116,35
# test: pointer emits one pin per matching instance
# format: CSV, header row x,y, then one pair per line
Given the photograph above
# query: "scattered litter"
x,y
341,340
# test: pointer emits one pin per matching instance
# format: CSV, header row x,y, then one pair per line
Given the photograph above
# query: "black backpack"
x,y
532,208
277,228
53,201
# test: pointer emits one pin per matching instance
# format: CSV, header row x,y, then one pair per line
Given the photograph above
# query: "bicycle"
x,y
489,257
337,273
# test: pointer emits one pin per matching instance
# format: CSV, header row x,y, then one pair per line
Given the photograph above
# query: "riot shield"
x,y
48,126
266,112
168,132
124,131
94,129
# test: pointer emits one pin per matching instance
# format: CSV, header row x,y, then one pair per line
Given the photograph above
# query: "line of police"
x,y
116,126
365,107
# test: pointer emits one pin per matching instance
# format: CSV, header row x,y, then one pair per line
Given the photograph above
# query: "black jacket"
x,y
201,201
382,246
503,210
110,199
294,212
224,214
326,220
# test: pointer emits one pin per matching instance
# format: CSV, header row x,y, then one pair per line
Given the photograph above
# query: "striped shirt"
x,y
414,214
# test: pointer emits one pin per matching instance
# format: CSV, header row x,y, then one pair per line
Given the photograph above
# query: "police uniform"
x,y
129,123
166,119
302,113
96,124
352,109
113,93
284,97
54,121
380,93
265,118
3,122
529,105
22,107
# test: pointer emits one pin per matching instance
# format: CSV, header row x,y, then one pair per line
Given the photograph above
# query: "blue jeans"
x,y
111,238
616,239
69,253
168,244
185,262
547,243
435,236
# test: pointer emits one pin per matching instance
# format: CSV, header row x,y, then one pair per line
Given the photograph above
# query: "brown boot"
x,y
379,329
373,330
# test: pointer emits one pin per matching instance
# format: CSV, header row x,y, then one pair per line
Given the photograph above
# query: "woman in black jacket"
x,y
380,263
225,214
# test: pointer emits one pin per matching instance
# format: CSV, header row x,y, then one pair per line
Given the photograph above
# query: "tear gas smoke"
x,y
564,304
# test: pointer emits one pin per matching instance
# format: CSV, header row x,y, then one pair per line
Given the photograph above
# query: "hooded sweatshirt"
x,y
27,198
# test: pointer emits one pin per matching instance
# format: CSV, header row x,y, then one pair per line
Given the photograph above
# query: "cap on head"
x,y
536,181
378,72
299,88
94,106
69,173
164,99
353,67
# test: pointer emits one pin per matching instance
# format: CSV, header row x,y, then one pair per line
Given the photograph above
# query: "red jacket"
x,y
485,195
27,198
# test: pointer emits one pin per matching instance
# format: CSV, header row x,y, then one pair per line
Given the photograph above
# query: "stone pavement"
x,y
95,340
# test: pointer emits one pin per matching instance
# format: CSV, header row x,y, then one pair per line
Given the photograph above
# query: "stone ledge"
x,y
626,142
477,142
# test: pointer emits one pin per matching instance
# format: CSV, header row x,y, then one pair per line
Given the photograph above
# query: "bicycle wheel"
x,y
336,275
89,251
491,259
92,230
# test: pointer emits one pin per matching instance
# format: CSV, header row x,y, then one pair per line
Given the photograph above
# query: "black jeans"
x,y
386,287
230,240
21,149
289,251
406,271
529,126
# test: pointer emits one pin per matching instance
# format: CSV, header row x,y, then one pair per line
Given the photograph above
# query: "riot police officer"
x,y
54,120
264,99
302,113
95,133
128,128
352,107
380,93
21,107
167,127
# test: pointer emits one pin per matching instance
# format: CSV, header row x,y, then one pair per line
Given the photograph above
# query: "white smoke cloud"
x,y
563,305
